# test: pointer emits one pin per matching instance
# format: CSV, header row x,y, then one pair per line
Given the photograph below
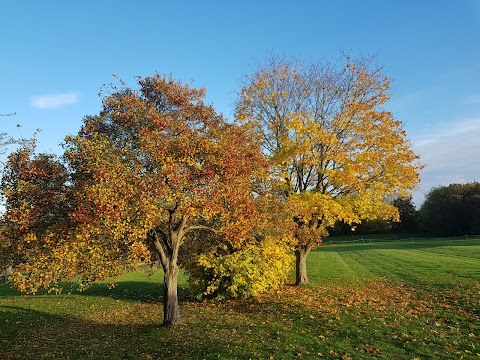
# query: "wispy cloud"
x,y
414,98
54,101
473,99
451,154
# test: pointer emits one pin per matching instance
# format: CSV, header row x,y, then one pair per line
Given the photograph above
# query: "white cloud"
x,y
54,101
473,99
451,154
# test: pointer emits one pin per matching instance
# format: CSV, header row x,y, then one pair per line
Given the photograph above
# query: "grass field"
x,y
386,300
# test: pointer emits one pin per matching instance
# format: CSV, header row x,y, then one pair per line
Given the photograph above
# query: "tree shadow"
x,y
140,291
33,334
142,287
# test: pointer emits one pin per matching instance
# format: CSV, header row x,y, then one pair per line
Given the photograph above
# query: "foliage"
x,y
154,166
5,141
8,251
408,216
219,269
241,271
35,187
452,210
407,222
335,152
376,226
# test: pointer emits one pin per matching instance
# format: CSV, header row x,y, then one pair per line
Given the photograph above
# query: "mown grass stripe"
x,y
401,300
421,261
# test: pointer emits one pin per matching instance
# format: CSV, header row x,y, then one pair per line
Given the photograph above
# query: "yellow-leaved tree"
x,y
336,153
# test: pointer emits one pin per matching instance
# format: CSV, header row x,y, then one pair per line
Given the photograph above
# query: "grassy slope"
x,y
395,300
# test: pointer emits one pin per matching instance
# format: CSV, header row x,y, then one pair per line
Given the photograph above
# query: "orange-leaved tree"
x,y
154,167
335,152
37,206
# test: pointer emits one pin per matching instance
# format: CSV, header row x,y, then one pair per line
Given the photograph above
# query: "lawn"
x,y
381,299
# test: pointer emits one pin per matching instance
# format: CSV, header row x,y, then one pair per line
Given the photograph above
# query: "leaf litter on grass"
x,y
380,314
371,319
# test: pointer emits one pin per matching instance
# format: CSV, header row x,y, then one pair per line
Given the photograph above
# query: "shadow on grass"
x,y
212,330
287,324
129,290
139,291
31,334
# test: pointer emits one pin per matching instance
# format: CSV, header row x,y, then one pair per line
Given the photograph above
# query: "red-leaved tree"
x,y
154,166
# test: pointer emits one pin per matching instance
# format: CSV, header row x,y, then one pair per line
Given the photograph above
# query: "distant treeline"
x,y
447,210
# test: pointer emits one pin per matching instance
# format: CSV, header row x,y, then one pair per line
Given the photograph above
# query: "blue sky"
x,y
56,55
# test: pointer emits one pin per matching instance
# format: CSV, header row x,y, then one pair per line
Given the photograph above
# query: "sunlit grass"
x,y
419,261
397,300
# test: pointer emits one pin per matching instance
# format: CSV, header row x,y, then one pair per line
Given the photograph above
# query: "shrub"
x,y
243,271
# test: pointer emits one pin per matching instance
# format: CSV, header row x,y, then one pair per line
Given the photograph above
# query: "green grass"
x,y
385,300
432,261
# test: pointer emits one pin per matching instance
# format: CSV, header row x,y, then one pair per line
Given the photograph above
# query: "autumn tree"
x,y
7,246
334,149
35,189
155,166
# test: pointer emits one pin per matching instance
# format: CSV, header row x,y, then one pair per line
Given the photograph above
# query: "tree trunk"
x,y
171,314
301,253
169,260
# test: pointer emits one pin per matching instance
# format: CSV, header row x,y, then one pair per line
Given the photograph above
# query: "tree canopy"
x,y
156,165
408,216
158,172
335,152
452,210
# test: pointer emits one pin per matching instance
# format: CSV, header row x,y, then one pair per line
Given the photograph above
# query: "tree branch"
x,y
158,245
200,227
